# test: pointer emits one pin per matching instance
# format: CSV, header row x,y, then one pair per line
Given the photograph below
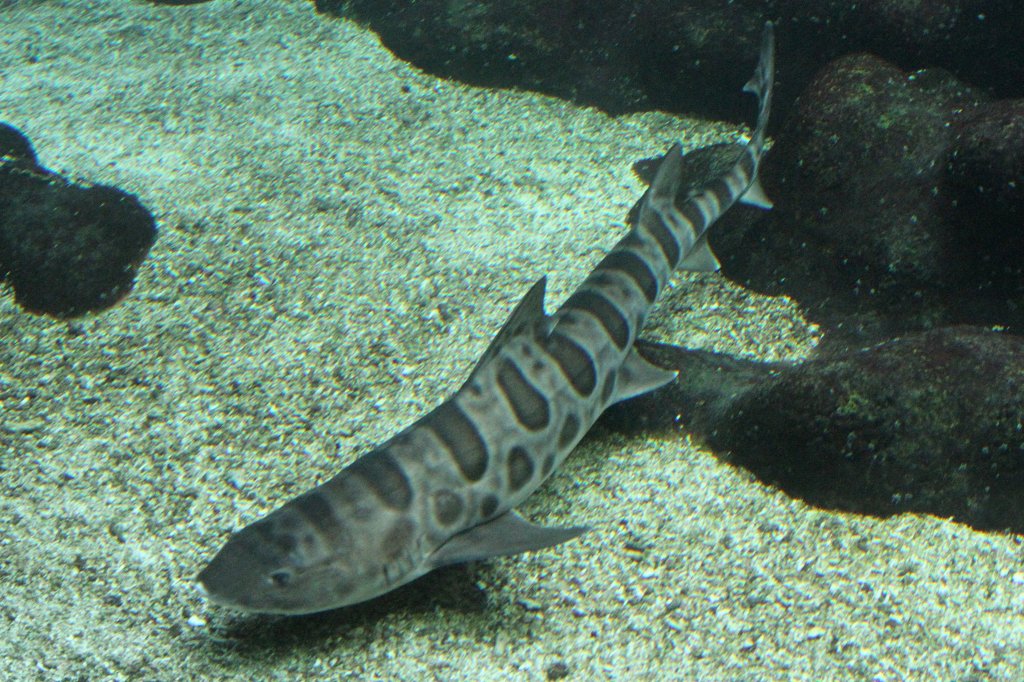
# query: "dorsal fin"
x,y
529,312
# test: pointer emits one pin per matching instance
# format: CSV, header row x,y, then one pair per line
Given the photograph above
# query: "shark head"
x,y
281,564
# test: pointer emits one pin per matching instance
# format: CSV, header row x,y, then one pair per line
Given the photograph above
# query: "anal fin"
x,y
755,196
700,258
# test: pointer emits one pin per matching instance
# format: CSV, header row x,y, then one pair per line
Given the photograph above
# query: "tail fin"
x,y
679,228
761,82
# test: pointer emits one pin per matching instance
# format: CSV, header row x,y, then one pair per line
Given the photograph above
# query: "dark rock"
x,y
66,249
692,55
931,422
978,40
685,55
985,182
897,203
707,385
14,146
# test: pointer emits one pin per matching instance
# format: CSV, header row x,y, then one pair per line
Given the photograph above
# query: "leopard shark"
x,y
443,490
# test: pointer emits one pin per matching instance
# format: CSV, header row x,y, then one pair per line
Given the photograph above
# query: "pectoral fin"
x,y
501,536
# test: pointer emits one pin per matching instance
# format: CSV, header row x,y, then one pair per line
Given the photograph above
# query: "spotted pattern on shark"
x,y
443,490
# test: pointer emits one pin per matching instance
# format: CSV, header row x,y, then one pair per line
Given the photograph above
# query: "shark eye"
x,y
280,578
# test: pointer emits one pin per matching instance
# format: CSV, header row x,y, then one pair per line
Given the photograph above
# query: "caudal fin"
x,y
762,81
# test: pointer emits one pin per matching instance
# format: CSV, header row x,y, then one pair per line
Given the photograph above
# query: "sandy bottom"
x,y
340,236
